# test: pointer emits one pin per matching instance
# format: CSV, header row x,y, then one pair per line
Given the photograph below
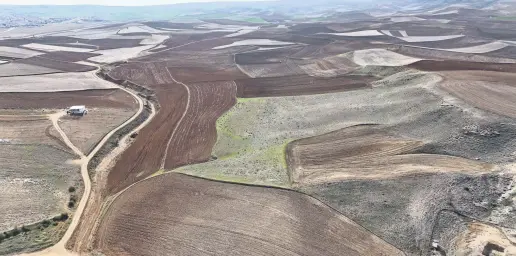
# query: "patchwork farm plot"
x,y
352,135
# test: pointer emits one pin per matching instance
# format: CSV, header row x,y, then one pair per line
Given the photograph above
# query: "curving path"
x,y
59,249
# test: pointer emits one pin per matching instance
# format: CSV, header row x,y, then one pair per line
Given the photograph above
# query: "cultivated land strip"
x,y
59,248
89,223
163,160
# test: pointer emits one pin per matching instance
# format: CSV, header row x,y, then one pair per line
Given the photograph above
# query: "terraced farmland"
x,y
379,131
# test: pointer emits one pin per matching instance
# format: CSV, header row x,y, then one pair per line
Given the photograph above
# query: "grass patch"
x,y
159,172
35,236
504,17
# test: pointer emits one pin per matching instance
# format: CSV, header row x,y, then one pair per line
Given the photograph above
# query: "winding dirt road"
x,y
59,249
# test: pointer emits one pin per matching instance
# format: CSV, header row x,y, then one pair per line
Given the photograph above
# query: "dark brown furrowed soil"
x,y
68,56
175,214
265,57
107,43
144,156
215,73
55,64
447,65
196,135
298,85
111,98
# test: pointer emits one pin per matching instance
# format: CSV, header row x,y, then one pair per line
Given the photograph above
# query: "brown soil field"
x,y
19,69
145,74
34,183
455,56
194,138
367,152
86,131
15,42
107,43
144,156
298,85
56,64
241,220
68,56
27,129
108,98
266,57
446,65
328,67
202,74
491,91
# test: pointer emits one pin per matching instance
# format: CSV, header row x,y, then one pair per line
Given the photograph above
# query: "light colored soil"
x,y
53,82
329,66
381,57
270,70
143,221
20,69
414,39
154,39
54,48
406,19
367,152
86,131
34,181
119,54
491,91
29,130
138,28
260,42
358,33
483,48
475,238
13,52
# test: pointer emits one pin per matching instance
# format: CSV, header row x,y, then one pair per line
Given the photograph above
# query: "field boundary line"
x,y
60,247
163,160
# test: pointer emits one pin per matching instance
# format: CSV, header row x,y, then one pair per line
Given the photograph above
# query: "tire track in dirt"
x,y
303,225
162,166
60,247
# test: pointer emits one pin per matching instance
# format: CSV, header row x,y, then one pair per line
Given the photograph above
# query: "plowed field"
x,y
213,218
145,155
195,136
110,98
447,65
298,85
491,91
367,152
56,64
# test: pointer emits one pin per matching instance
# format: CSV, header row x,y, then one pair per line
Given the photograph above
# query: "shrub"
x,y
24,229
15,232
45,223
71,204
62,217
71,189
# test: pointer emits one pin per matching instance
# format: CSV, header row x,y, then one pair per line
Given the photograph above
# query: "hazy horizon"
x,y
116,2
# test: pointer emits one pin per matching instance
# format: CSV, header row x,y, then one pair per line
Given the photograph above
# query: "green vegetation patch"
x,y
34,237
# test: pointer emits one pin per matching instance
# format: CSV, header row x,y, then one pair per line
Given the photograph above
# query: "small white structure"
x,y
77,110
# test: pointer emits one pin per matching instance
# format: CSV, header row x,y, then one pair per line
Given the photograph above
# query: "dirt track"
x,y
284,222
59,248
